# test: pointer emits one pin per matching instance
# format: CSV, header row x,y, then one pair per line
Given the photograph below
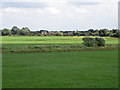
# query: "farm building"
x,y
43,31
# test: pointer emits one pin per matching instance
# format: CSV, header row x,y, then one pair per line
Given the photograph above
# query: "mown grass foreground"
x,y
87,69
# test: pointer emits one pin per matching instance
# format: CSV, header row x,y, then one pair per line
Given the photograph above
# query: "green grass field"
x,y
50,40
49,43
75,69
96,69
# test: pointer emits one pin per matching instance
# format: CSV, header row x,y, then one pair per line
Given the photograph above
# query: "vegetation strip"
x,y
56,51
25,31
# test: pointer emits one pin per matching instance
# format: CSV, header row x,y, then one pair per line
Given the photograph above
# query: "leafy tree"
x,y
64,34
104,32
85,33
111,34
117,33
91,32
59,34
15,30
6,32
96,33
77,33
25,31
39,34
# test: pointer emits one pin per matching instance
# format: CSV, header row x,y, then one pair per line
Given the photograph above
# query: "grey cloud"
x,y
24,5
40,4
85,3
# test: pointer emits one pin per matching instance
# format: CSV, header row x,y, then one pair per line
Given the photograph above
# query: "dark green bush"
x,y
90,42
100,41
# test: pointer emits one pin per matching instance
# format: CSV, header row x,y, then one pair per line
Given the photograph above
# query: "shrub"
x,y
100,41
89,42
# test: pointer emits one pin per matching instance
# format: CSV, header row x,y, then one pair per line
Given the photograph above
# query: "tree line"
x,y
25,31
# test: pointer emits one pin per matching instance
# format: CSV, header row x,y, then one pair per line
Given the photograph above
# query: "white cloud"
x,y
60,1
11,10
17,11
1,13
63,15
53,10
0,18
81,10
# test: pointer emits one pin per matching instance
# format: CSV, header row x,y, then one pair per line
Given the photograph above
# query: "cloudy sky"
x,y
59,14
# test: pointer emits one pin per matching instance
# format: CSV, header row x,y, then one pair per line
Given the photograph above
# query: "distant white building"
x,y
44,32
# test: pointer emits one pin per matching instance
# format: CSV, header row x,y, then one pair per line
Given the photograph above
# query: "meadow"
x,y
66,68
50,43
96,69
50,40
